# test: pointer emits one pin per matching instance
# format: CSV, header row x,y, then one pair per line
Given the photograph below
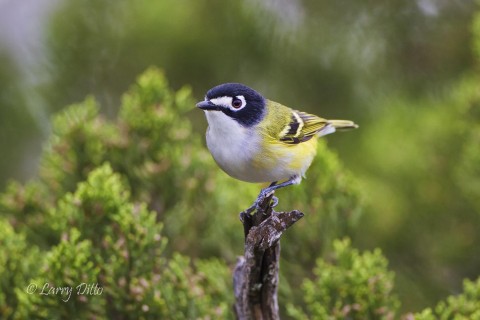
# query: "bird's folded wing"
x,y
302,127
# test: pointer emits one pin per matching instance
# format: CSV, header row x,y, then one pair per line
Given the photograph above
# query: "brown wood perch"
x,y
255,278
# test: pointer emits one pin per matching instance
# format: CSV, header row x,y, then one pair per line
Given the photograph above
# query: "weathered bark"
x,y
255,278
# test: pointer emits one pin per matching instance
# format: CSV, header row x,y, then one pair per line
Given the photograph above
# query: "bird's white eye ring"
x,y
237,103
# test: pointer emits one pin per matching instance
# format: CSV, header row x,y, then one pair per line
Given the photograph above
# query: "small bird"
x,y
254,139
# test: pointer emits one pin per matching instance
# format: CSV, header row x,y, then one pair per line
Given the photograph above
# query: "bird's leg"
x,y
256,204
264,193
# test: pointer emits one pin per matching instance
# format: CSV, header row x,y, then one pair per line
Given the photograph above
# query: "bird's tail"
x,y
343,124
334,125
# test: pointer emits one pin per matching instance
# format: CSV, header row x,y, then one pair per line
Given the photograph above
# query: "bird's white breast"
x,y
233,146
239,151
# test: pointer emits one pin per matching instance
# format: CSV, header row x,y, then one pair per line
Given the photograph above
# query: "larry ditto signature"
x,y
83,289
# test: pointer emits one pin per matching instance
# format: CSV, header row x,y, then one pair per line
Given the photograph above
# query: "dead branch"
x,y
255,278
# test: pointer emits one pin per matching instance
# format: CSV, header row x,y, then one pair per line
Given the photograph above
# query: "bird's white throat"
x,y
232,145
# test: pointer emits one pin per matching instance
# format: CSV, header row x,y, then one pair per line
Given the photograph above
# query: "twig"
x,y
255,278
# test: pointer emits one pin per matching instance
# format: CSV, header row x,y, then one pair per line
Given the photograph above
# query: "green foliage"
x,y
467,172
153,146
476,34
417,170
109,263
112,180
331,198
421,187
110,192
27,206
350,285
18,260
465,306
58,289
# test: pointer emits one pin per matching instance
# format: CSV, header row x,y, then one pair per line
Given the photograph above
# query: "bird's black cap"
x,y
251,114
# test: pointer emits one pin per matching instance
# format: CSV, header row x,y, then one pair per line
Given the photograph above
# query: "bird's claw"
x,y
256,205
274,202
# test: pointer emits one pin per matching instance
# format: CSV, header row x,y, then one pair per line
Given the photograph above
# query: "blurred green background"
x,y
406,71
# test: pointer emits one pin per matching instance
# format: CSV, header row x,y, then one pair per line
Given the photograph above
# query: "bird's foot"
x,y
274,202
256,205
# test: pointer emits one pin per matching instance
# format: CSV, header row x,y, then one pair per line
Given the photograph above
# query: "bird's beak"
x,y
207,105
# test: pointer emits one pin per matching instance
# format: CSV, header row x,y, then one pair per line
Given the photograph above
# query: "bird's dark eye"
x,y
236,103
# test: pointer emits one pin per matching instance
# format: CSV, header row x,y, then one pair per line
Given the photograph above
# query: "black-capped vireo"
x,y
258,140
